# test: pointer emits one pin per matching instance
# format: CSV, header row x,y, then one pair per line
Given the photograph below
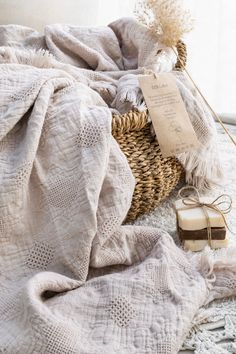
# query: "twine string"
x,y
222,205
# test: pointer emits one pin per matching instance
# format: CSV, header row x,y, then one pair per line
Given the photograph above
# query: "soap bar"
x,y
199,245
217,233
194,218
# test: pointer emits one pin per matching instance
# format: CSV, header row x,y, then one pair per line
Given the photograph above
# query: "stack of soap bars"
x,y
192,227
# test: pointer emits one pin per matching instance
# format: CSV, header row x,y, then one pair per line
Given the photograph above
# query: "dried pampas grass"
x,y
167,19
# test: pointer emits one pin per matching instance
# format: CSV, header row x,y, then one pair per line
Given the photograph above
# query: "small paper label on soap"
x,y
170,119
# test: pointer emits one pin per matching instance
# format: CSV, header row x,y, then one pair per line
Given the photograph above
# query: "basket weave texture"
x,y
155,175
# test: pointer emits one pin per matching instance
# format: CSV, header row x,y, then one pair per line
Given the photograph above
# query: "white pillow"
x,y
38,13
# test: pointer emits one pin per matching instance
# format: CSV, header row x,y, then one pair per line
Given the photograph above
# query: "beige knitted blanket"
x,y
108,60
72,279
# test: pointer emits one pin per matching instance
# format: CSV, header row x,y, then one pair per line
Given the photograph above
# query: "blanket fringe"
x,y
213,264
39,58
203,167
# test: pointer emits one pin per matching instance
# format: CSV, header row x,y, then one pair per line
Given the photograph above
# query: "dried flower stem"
x,y
168,21
165,18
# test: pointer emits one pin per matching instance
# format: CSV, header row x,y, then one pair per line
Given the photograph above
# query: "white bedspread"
x,y
214,325
72,278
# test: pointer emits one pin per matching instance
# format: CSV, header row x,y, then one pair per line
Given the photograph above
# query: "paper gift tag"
x,y
170,119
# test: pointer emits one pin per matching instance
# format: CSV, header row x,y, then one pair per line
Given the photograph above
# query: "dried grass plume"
x,y
167,19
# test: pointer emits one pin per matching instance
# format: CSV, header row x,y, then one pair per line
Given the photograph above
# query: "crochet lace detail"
x,y
26,93
109,226
10,305
63,191
215,329
40,256
159,289
78,261
90,135
22,174
59,341
121,311
164,346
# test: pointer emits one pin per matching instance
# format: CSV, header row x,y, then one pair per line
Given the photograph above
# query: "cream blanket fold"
x,y
72,278
108,59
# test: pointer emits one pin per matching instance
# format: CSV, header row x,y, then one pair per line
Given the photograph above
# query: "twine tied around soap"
x,y
216,205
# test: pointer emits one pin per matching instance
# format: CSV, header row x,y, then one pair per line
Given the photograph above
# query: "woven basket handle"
x,y
182,55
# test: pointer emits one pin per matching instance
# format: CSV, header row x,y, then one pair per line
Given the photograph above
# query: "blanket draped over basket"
x,y
72,278
108,59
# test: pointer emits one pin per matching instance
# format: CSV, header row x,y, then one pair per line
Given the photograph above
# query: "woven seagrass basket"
x,y
155,175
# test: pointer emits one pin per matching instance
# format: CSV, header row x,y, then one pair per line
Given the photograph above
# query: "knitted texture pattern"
x,y
213,330
108,59
63,200
65,190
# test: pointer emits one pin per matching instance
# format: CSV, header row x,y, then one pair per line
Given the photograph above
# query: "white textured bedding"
x,y
73,279
216,323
